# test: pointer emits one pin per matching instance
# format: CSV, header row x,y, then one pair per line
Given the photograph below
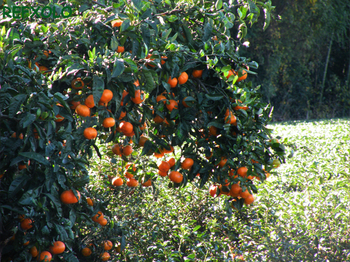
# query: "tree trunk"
x,y
326,68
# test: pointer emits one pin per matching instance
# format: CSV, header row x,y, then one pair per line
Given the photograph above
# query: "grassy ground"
x,y
310,196
301,213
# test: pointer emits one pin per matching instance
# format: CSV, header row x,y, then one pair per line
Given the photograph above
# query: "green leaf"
x,y
35,156
15,103
97,89
27,120
137,4
218,4
207,32
114,43
55,200
150,81
146,35
17,184
118,68
214,97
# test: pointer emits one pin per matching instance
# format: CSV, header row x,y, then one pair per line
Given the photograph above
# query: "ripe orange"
x,y
230,73
161,98
68,197
249,200
107,96
126,127
125,93
82,110
222,162
26,224
77,83
105,256
34,251
168,151
127,150
171,162
86,251
90,133
171,105
243,74
158,119
137,83
142,140
103,222
117,149
45,256
89,201
212,190
98,217
107,245
176,177
59,118
74,104
183,78
172,82
46,53
148,183
120,49
43,68
245,194
117,23
132,182
213,130
162,61
242,171
235,190
58,247
159,155
122,115
197,73
117,181
89,101
187,163
108,122
137,99
162,174
164,166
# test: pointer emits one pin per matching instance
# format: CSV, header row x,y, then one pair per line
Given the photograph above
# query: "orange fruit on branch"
x,y
89,201
172,82
126,127
127,150
187,163
86,252
132,182
171,105
103,222
171,162
105,256
45,256
197,73
176,177
82,110
212,190
164,166
107,245
98,217
158,119
107,96
245,194
58,247
242,171
34,251
68,197
162,174
120,49
222,162
148,183
117,149
142,140
89,101
90,133
26,224
108,122
235,190
183,78
137,99
117,181
249,200
161,98
117,23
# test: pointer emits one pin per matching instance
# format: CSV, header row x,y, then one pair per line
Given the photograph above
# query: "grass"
x,y
310,196
301,213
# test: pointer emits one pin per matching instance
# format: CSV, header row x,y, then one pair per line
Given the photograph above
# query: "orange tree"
x,y
144,77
